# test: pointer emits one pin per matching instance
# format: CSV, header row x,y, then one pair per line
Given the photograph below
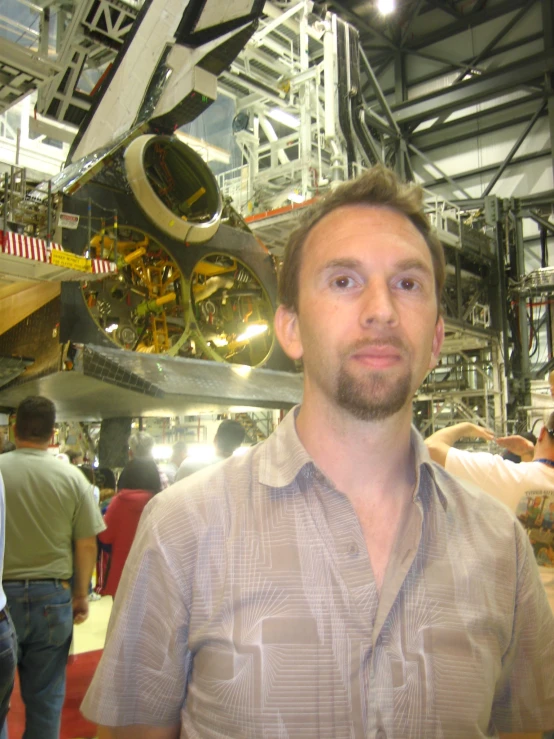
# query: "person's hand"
x,y
516,444
483,433
80,609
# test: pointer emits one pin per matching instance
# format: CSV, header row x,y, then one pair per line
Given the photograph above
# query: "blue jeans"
x,y
8,660
43,617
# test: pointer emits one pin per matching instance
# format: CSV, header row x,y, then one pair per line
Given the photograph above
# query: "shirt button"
x,y
381,734
353,549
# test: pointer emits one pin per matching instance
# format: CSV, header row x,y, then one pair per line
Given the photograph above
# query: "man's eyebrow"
x,y
404,264
343,263
417,264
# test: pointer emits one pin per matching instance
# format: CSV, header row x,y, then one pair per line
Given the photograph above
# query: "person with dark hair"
x,y
332,581
51,527
228,437
138,482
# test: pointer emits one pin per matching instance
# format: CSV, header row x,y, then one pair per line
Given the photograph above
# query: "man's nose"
x,y
378,304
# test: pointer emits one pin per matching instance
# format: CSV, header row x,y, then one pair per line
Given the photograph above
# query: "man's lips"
x,y
377,355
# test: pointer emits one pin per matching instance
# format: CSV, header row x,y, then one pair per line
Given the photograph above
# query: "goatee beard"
x,y
372,398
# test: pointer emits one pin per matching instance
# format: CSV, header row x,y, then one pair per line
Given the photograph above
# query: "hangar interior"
x,y
454,95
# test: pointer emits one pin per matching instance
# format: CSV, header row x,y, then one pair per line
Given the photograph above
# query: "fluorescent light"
x,y
295,197
255,329
111,328
385,7
285,118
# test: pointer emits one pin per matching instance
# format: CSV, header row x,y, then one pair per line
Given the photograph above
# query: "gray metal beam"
x,y
520,139
548,28
491,168
449,179
499,36
471,91
379,93
487,121
538,219
449,64
468,21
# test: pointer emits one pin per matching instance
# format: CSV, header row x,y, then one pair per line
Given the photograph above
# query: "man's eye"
x,y
406,283
342,281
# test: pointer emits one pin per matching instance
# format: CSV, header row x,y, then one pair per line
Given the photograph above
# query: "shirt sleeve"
x,y
489,472
88,520
142,676
524,699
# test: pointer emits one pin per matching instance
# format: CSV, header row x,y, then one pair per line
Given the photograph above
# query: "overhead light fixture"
x,y
255,329
111,328
285,118
385,7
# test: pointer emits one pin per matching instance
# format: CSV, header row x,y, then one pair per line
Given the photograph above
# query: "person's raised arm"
x,y
84,559
138,731
440,443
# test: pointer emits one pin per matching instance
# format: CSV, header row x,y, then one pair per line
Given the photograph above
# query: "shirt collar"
x,y
284,456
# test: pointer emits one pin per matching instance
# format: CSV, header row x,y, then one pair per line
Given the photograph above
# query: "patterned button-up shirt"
x,y
248,608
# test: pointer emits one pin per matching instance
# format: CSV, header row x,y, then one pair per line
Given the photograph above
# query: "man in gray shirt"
x,y
51,526
333,583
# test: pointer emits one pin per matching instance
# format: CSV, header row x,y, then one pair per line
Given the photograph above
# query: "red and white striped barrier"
x,y
28,247
101,266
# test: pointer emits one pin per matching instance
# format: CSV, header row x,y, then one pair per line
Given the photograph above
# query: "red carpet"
x,y
80,670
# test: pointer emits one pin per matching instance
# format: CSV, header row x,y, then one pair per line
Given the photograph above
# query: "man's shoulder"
x,y
216,487
468,500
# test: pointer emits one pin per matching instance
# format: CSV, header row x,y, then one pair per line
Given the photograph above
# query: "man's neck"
x,y
21,444
361,458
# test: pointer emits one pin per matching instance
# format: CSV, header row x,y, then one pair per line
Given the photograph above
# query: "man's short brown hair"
x,y
377,186
34,419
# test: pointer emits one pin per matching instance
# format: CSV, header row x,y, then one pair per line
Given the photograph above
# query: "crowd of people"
x,y
59,527
340,579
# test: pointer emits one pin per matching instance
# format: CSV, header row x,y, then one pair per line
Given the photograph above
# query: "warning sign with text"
x,y
70,261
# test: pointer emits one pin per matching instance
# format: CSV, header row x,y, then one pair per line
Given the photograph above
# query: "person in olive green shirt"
x,y
51,526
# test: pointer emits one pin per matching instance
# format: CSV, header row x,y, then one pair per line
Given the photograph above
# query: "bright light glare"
x,y
242,370
240,451
255,329
285,118
295,197
220,341
200,452
161,451
111,328
386,6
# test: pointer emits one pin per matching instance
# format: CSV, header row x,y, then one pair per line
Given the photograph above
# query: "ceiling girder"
x,y
474,90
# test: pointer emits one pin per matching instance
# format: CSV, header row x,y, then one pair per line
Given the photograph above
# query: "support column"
x,y
113,444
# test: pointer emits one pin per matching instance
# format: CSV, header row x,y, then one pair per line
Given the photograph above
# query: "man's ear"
x,y
287,332
436,346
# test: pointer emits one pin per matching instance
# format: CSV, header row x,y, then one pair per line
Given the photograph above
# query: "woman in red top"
x,y
138,483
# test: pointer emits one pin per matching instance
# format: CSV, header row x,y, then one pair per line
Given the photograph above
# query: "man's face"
x,y
366,327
